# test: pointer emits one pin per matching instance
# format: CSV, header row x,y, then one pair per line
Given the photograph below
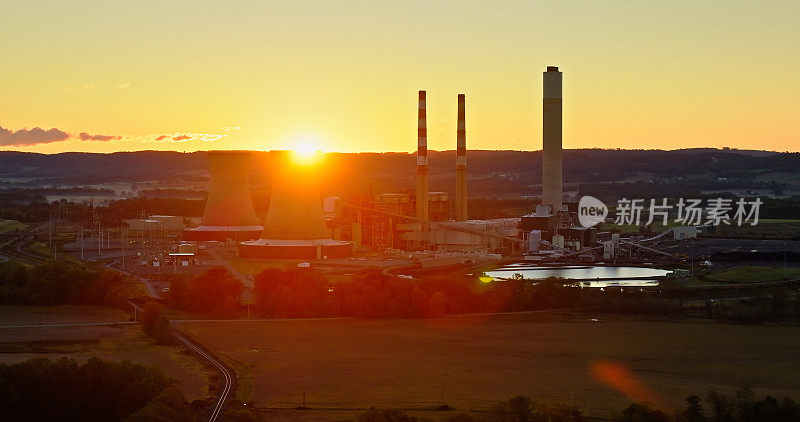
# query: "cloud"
x,y
123,86
31,136
184,137
36,136
87,137
89,86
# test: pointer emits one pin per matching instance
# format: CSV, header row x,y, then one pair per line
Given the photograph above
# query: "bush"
x,y
156,325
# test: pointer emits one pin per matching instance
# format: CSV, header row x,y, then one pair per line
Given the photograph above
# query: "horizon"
x,y
719,149
344,77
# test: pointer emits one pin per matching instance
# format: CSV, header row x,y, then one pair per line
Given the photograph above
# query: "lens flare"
x,y
306,151
620,378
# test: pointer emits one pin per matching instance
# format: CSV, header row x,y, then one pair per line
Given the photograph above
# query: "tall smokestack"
x,y
551,139
461,162
422,160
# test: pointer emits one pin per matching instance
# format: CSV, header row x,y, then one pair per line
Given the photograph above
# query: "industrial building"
x,y
229,212
299,224
170,223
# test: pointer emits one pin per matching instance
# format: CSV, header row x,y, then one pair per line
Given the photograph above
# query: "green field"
x,y
11,225
754,274
343,366
766,227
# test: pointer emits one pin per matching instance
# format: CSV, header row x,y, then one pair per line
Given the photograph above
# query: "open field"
x,y
765,227
755,274
476,361
11,225
63,314
117,343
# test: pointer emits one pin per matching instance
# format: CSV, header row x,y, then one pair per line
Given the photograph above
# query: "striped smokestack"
x,y
422,160
551,139
461,162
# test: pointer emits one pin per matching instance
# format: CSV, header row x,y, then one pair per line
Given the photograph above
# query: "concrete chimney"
x,y
422,160
461,162
551,139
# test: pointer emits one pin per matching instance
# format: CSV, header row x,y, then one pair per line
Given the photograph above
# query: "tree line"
x,y
64,390
308,293
371,294
61,283
742,406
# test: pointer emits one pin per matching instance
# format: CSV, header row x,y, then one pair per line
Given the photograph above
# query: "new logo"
x,y
591,211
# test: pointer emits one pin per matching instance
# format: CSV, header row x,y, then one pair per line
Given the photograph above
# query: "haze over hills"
x,y
491,173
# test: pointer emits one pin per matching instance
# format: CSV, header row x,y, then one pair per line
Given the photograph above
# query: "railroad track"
x,y
13,249
226,374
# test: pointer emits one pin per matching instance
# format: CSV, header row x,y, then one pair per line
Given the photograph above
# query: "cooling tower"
x,y
295,225
229,210
551,139
461,162
422,160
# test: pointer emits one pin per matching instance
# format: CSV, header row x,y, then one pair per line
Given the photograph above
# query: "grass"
x,y
480,360
11,225
251,267
115,343
244,372
754,274
768,227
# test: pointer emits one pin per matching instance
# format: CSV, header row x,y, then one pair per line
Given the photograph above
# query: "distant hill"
x,y
492,173
753,152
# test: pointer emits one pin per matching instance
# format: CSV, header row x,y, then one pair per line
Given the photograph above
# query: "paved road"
x,y
245,279
148,284
72,324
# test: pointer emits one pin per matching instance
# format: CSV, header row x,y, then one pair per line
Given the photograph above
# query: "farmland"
x,y
472,362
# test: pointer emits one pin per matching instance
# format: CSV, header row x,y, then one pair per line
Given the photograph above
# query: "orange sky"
x,y
344,75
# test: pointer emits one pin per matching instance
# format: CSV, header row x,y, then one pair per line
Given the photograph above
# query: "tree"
x,y
41,389
156,325
215,292
693,411
639,412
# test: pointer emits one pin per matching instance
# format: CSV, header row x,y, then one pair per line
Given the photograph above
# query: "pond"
x,y
589,276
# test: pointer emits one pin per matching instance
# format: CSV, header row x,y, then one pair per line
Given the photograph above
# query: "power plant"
x,y
229,212
416,220
295,225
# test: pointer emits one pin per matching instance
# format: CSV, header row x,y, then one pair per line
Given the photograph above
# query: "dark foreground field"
x,y
41,336
475,362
